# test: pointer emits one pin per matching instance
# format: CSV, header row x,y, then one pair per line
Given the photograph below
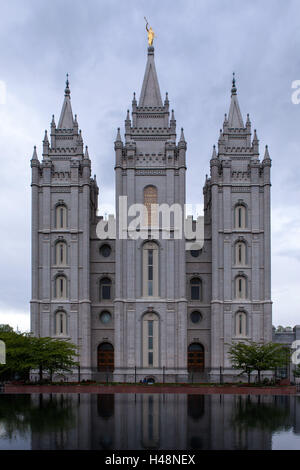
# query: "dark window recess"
x,y
105,250
196,317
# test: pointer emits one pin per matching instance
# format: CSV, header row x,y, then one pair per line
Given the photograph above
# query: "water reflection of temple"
x,y
172,421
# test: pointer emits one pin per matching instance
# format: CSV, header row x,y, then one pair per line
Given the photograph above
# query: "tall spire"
x,y
66,120
150,94
267,155
235,119
34,155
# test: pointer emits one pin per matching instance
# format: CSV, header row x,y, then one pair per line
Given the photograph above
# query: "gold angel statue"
x,y
150,32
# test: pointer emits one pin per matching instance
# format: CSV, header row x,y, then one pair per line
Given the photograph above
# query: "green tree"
x,y
18,355
250,356
6,329
25,352
52,355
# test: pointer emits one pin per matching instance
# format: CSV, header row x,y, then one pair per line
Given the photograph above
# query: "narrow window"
x,y
150,270
240,216
150,340
196,288
61,216
241,287
241,324
61,324
60,287
105,289
150,202
61,253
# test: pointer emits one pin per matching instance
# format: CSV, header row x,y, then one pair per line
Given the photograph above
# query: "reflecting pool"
x,y
149,421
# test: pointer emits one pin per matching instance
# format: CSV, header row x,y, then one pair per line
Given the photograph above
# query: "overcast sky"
x,y
102,45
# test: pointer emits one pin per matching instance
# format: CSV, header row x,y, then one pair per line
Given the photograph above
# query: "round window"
x,y
196,317
105,317
195,253
105,250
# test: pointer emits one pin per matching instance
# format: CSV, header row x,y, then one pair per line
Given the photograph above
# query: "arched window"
x,y
61,253
195,357
196,288
240,253
61,323
240,287
150,202
105,288
61,216
240,324
60,287
105,357
150,269
240,216
150,340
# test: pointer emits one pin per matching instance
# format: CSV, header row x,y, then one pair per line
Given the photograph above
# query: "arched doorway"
x,y
196,357
105,357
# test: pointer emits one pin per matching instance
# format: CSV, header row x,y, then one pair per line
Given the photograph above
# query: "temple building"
x,y
149,307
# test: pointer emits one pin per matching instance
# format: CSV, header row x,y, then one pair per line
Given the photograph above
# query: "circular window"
x,y
105,317
105,250
196,317
195,253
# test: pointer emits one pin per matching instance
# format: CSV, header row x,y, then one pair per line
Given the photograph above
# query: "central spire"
x,y
66,120
150,94
235,119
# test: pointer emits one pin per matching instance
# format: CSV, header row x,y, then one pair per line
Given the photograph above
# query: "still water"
x,y
149,421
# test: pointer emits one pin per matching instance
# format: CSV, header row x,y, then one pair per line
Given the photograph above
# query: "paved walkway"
x,y
132,388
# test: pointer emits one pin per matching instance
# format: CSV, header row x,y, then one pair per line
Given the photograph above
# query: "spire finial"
x,y
267,155
86,154
182,139
233,89
118,138
67,89
214,153
34,155
46,136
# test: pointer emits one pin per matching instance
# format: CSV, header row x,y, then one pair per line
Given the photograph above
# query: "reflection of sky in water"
x,y
285,440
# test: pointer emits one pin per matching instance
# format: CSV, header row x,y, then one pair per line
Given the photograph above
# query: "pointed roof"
x,y
235,119
267,155
66,120
182,139
214,153
150,94
34,155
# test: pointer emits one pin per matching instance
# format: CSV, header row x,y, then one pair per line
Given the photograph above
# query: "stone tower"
x,y
63,206
237,197
145,303
150,302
